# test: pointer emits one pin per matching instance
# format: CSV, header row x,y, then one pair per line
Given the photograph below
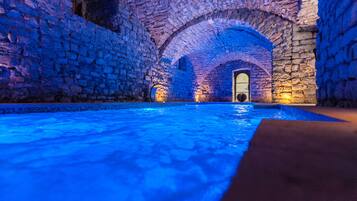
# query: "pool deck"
x,y
300,161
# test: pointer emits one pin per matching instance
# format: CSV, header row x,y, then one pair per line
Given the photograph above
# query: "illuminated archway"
x,y
241,86
158,93
288,64
271,30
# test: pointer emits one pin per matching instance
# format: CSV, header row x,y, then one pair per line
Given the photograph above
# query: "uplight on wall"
x,y
158,94
286,98
197,98
161,95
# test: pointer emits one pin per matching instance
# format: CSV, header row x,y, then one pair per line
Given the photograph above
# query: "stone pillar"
x,y
294,60
303,74
282,64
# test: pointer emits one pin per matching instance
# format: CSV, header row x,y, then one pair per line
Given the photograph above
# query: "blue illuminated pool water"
x,y
168,153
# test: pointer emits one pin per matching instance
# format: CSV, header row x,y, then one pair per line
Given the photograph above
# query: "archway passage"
x,y
241,86
213,43
219,83
158,94
274,43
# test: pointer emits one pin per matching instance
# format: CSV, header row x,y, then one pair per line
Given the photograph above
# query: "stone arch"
x,y
163,17
275,28
217,85
157,93
229,57
195,37
269,25
234,56
245,60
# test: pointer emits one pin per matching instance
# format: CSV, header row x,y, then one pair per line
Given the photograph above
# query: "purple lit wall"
x,y
48,54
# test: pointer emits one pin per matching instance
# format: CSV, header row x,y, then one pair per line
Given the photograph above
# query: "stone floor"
x,y
300,161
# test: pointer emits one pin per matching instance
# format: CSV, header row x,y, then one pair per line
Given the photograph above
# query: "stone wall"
x,y
182,82
111,14
308,12
218,83
337,53
294,71
302,70
48,54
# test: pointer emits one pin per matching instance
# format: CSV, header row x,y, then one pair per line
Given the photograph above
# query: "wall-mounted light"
x,y
286,98
197,98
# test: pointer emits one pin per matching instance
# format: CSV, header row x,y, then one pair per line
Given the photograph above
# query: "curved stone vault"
x,y
255,36
164,17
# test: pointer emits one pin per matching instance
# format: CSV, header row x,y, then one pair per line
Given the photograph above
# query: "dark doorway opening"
x,y
241,86
78,8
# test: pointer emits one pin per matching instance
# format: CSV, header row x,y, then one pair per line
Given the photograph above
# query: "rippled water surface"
x,y
169,153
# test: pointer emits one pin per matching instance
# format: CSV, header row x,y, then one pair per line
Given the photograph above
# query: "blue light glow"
x,y
169,153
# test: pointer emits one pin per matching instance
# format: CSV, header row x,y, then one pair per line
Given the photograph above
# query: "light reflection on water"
x,y
170,153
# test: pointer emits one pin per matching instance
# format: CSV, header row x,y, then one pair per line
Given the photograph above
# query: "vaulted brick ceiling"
x,y
164,17
210,44
229,35
213,32
215,36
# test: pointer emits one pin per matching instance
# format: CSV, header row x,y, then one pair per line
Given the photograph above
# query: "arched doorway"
x,y
157,93
241,86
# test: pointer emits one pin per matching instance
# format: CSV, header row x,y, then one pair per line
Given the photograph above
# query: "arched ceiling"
x,y
214,42
164,17
214,35
205,63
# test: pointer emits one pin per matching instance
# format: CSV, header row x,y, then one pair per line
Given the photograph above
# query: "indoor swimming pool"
x,y
184,152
